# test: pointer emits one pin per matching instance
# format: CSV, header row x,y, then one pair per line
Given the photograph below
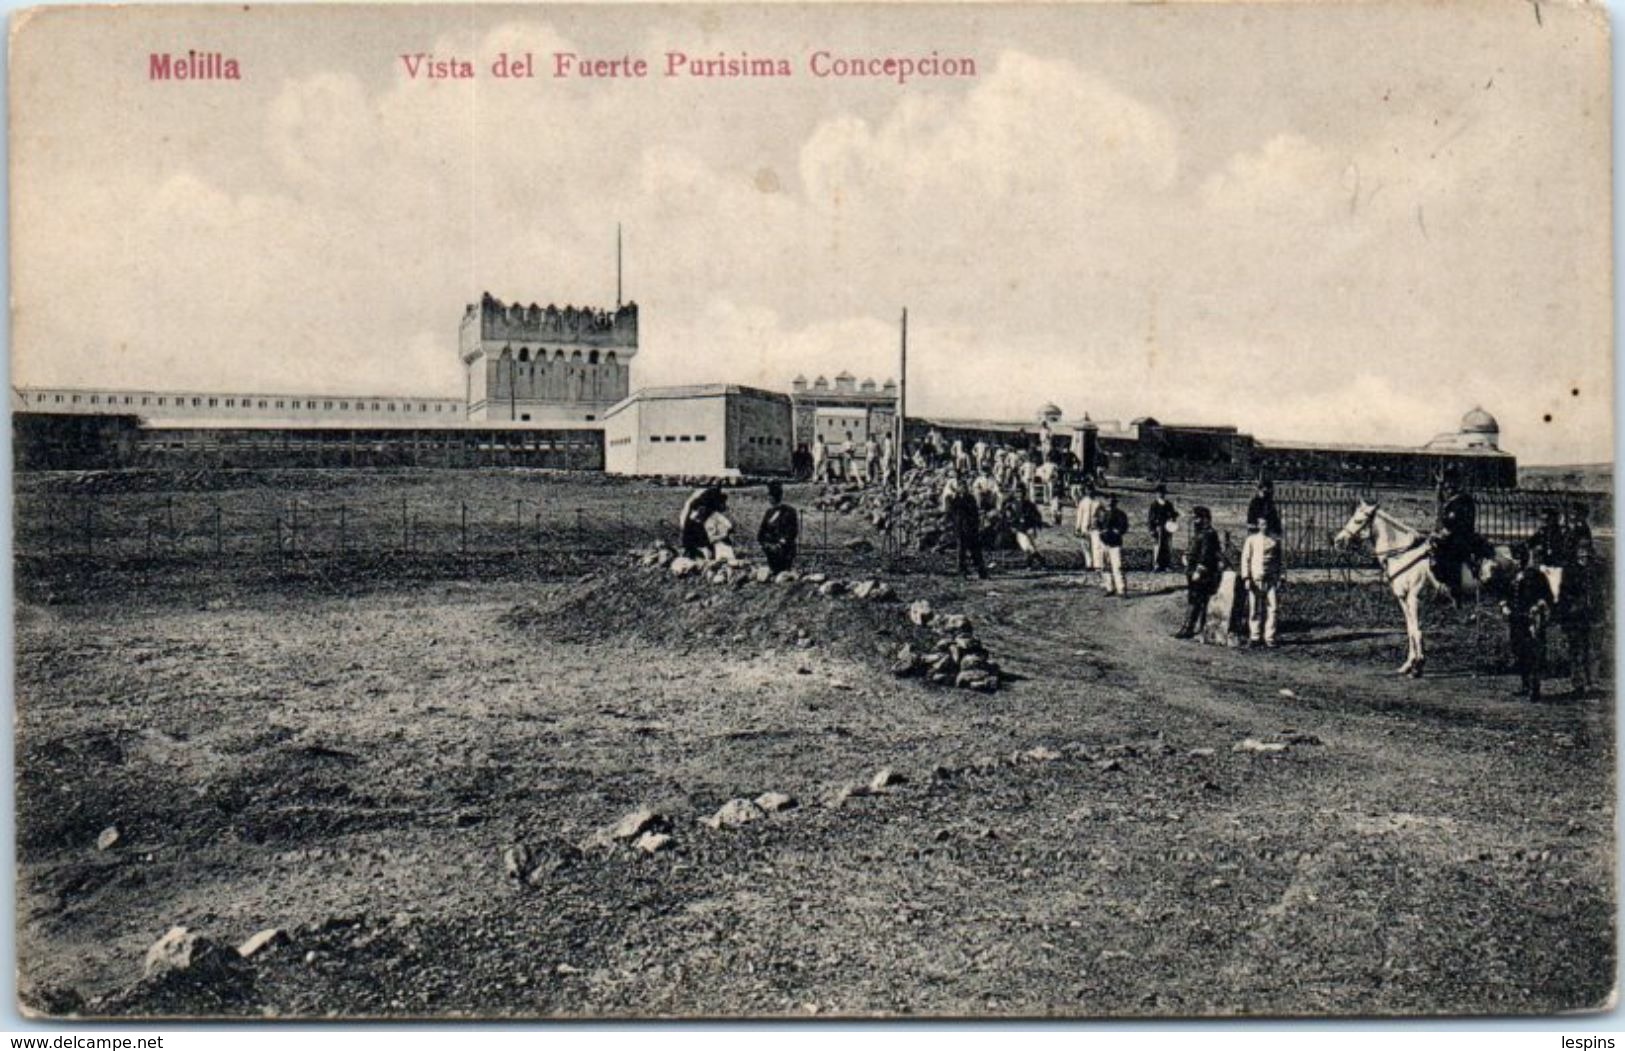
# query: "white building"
x,y
714,429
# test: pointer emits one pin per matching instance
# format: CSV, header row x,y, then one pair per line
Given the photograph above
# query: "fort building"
x,y
715,429
548,365
1148,448
843,412
239,408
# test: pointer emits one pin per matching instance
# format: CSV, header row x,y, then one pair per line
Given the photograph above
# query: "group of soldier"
x,y
1553,576
870,461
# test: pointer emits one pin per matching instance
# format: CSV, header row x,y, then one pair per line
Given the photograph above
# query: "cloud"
x,y
1057,232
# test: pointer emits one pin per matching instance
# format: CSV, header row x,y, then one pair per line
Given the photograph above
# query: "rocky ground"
x,y
601,789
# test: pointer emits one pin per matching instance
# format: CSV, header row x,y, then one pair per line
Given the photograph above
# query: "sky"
x,y
1325,223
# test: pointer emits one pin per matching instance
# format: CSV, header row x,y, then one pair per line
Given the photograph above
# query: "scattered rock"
x,y
682,566
516,861
549,859
788,576
919,613
762,575
1253,744
630,827
838,798
1287,694
734,812
109,838
566,969
1040,754
954,624
885,778
774,802
977,679
179,950
269,938
815,578
830,588
1201,753
652,842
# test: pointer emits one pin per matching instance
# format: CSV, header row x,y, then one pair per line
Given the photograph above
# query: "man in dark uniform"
x,y
1577,612
1262,508
780,528
1549,546
1455,535
1112,523
1527,607
965,523
1157,518
1579,531
1203,565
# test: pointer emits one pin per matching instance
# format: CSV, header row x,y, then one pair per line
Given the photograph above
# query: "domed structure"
x,y
1479,422
1049,412
1478,431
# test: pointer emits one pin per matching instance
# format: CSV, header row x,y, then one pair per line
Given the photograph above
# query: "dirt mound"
x,y
692,614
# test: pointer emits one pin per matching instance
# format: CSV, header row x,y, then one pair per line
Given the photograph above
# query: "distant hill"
x,y
1589,476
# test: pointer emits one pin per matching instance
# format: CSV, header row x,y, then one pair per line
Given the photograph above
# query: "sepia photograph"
x,y
813,511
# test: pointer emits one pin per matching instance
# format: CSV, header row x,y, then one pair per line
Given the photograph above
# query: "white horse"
x,y
1405,556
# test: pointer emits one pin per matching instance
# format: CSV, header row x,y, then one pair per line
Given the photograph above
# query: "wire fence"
x,y
111,528
121,527
1312,514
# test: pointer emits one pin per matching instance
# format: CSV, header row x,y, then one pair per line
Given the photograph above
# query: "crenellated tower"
x,y
545,364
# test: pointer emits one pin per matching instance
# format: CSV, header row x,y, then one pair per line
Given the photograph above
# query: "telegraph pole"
x,y
902,401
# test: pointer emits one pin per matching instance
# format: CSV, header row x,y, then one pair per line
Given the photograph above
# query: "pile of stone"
x,y
738,572
956,658
916,511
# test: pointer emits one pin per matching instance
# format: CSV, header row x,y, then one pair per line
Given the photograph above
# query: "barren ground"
x,y
346,752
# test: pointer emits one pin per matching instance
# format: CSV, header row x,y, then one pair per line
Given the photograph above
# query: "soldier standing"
x,y
1111,523
1203,563
1084,526
1527,608
1261,573
1579,532
1577,611
1158,517
1262,506
965,521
